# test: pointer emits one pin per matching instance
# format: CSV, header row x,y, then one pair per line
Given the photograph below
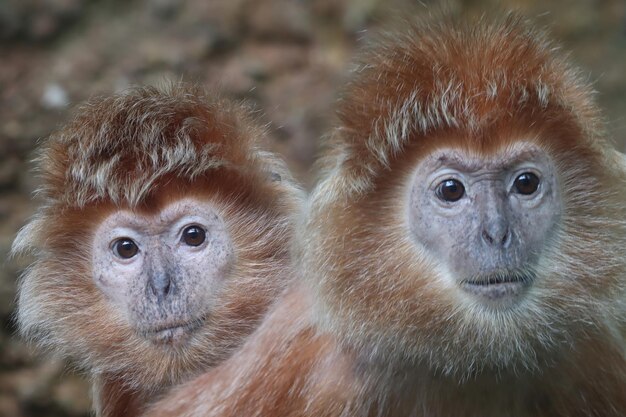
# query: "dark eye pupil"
x,y
450,190
526,183
194,235
125,248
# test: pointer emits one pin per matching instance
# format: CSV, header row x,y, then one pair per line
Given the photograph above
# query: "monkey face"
x,y
157,291
470,260
486,218
163,270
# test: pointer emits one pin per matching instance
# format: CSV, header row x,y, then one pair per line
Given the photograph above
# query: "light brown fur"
x,y
139,150
371,331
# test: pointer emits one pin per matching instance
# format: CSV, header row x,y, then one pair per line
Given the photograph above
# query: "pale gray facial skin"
x,y
167,287
489,232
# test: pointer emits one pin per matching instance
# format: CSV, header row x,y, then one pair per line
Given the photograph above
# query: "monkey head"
x,y
161,270
163,236
488,216
469,218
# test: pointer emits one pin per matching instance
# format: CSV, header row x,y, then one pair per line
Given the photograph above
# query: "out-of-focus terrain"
x,y
287,57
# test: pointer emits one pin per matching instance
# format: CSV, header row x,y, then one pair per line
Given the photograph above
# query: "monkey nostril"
x,y
494,238
160,286
505,238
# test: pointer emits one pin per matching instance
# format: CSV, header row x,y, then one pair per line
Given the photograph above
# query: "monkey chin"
x,y
498,290
173,334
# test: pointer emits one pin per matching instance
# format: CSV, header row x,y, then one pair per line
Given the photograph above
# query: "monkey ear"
x,y
618,159
26,240
275,168
621,157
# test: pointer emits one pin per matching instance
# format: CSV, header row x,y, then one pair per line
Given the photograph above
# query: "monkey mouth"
x,y
498,286
174,333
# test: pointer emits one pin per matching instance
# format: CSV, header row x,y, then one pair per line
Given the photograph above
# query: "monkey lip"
x,y
498,286
173,333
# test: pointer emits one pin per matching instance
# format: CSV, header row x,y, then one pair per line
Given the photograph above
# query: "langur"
x,y
163,237
463,253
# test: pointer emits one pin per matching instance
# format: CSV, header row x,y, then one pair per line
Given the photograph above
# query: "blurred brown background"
x,y
288,57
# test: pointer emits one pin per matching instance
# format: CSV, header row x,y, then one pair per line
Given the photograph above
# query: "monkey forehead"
x,y
471,160
186,210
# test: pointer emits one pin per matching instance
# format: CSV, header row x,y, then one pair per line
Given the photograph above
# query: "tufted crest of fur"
x,y
116,148
137,150
480,88
450,74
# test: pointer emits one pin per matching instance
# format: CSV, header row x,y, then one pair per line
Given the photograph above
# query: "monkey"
x,y
462,252
163,237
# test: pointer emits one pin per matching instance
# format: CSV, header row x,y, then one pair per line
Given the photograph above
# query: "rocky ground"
x,y
288,57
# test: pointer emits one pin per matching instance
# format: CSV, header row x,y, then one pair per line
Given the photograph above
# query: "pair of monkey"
x,y
461,255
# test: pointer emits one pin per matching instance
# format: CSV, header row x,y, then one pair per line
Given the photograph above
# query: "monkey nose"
x,y
160,285
496,234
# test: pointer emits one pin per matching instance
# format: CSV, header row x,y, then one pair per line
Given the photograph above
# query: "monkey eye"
x,y
125,248
193,235
450,190
526,183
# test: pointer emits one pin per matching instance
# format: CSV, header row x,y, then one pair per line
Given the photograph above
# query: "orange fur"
x,y
371,331
140,150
